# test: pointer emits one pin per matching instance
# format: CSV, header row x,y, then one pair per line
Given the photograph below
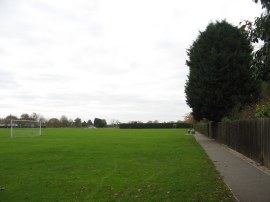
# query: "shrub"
x,y
263,111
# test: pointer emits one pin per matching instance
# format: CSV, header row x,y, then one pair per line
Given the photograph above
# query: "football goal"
x,y
25,128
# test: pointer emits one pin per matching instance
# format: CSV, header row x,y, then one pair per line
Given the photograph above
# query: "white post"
x,y
40,128
11,135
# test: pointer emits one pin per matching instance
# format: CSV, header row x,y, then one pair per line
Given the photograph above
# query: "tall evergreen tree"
x,y
220,74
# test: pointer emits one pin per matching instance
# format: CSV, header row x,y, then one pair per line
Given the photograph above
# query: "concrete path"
x,y
248,182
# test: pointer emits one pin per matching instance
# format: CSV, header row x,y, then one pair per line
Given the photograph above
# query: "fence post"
x,y
213,130
209,130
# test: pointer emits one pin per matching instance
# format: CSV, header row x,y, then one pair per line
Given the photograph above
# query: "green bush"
x,y
263,111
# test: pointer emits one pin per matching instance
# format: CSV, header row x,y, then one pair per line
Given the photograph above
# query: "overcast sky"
x,y
112,59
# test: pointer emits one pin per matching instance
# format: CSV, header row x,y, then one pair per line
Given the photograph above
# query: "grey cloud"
x,y
95,29
3,52
7,80
102,68
78,14
104,99
25,97
52,78
168,44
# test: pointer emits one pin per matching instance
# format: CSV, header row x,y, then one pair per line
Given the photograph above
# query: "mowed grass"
x,y
107,165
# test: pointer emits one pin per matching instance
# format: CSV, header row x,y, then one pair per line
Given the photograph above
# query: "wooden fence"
x,y
249,137
202,128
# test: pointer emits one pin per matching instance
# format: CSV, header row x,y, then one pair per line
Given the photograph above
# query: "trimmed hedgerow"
x,y
153,125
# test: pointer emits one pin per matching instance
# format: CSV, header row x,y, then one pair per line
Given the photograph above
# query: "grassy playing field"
x,y
107,165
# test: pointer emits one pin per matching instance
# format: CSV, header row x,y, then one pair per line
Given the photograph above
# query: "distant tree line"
x,y
63,122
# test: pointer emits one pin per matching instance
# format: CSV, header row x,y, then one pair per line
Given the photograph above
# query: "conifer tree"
x,y
220,76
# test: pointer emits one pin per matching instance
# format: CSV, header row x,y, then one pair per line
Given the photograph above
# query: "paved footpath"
x,y
248,182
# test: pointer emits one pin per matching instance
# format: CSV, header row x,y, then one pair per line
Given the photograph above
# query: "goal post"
x,y
25,128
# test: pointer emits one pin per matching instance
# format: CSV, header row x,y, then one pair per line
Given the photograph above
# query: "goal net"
x,y
25,128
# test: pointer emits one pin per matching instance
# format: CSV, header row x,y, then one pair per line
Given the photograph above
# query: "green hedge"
x,y
153,125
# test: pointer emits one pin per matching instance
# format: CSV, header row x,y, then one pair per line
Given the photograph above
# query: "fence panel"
x,y
249,137
202,128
